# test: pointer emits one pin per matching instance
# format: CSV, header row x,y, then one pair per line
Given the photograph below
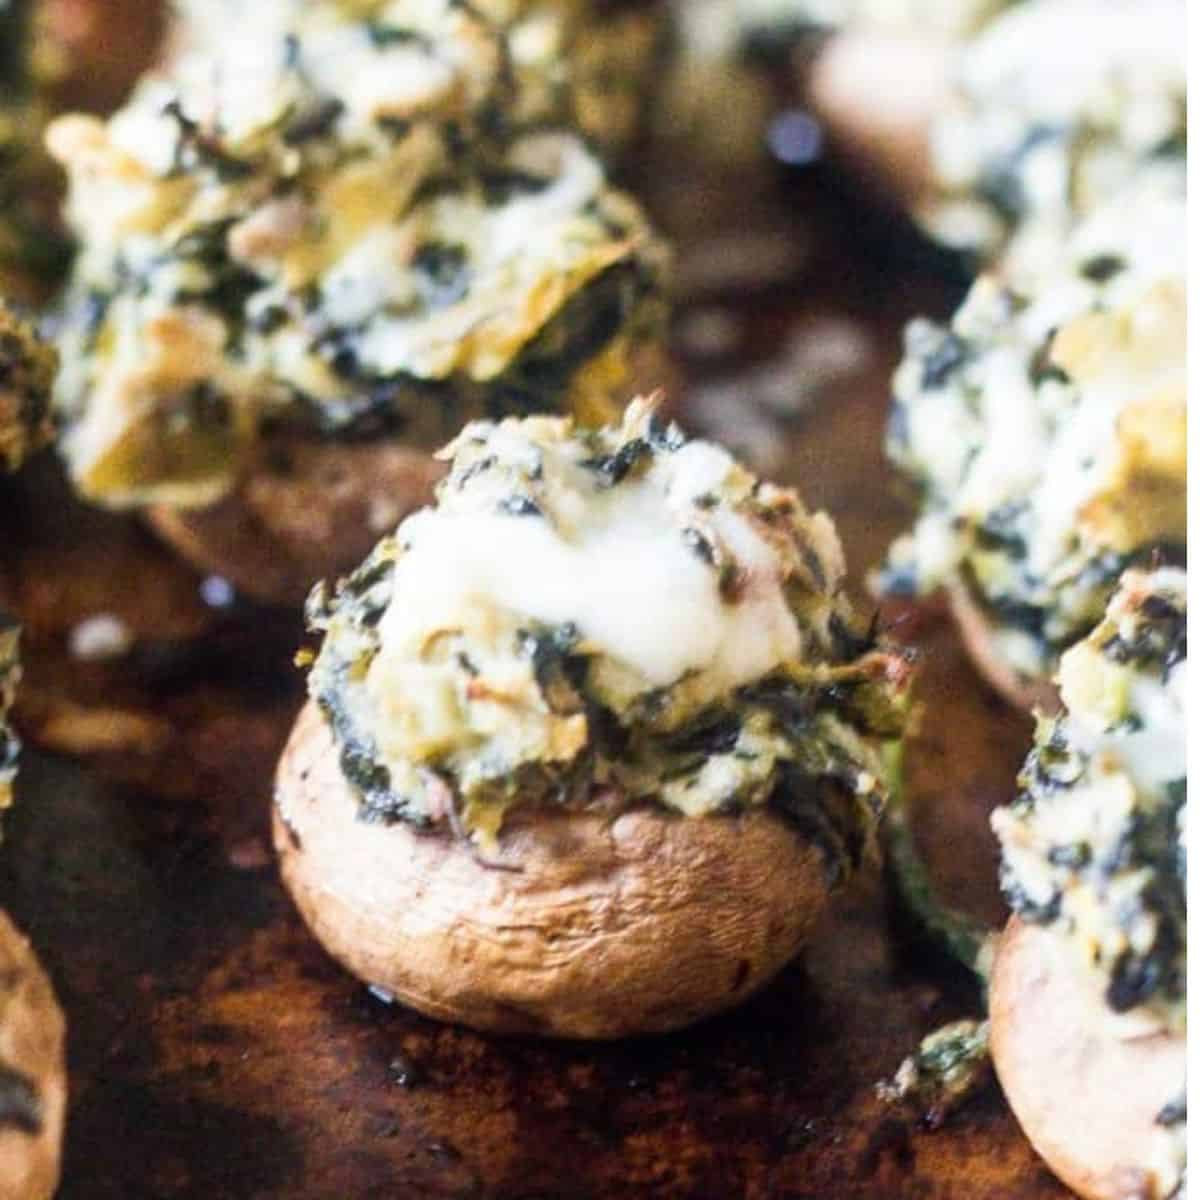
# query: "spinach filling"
x,y
997,531
1094,844
563,721
817,789
430,411
344,312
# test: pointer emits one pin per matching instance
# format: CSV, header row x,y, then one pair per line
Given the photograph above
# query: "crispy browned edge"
x,y
32,1043
1085,1099
591,926
978,638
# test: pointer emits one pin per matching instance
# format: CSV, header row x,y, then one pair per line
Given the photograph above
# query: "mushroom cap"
x,y
33,1080
1085,1095
583,924
979,640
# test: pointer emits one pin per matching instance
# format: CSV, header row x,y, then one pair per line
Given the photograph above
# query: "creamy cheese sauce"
x,y
615,613
1046,427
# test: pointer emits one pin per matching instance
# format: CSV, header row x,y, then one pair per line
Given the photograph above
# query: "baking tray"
x,y
216,1051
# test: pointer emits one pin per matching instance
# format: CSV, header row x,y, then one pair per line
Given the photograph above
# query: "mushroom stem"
x,y
951,932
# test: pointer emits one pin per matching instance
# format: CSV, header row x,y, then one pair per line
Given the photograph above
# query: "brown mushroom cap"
x,y
601,926
33,1084
979,640
878,94
1085,1098
304,510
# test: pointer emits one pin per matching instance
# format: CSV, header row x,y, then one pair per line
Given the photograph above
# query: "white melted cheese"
x,y
622,573
1154,753
607,615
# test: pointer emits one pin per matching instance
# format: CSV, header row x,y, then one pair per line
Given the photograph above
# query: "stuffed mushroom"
x,y
591,741
307,258
1088,993
1034,122
33,1082
33,1086
1044,431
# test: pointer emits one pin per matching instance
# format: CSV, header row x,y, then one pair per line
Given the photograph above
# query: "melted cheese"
x,y
1101,694
621,571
